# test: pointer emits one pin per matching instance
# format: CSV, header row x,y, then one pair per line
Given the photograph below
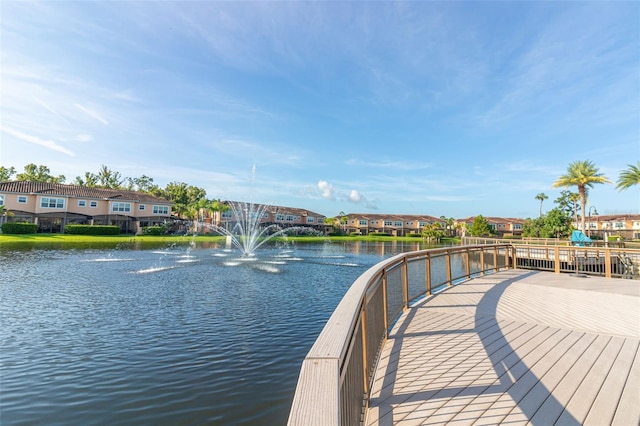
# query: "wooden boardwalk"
x,y
516,347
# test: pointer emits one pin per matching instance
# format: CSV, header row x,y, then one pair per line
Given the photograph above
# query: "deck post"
x,y
363,325
385,309
495,259
468,265
427,271
607,262
447,258
482,268
556,252
405,284
514,256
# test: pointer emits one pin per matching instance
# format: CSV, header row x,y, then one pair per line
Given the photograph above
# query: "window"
x,y
290,218
502,225
141,207
517,226
408,223
619,225
423,224
121,207
93,204
397,223
226,214
1,200
388,223
279,216
362,222
310,219
162,210
51,203
82,203
22,199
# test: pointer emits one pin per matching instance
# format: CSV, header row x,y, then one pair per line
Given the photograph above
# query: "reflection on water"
x,y
129,336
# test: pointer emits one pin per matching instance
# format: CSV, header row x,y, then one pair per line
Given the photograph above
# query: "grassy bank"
x,y
48,239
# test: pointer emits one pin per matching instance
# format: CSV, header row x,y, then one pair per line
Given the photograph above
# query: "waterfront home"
x,y
626,226
282,216
52,206
392,224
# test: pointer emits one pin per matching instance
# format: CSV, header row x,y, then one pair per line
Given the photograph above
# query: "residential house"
x,y
502,226
52,206
392,224
624,225
281,216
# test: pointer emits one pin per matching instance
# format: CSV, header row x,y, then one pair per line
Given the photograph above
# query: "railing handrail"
x,y
317,396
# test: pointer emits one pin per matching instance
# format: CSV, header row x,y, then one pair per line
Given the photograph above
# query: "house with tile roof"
x,y
281,216
392,224
52,206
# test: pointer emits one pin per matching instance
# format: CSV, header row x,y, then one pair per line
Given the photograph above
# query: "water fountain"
x,y
248,232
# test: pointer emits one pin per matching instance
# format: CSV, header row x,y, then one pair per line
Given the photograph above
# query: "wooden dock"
x,y
515,347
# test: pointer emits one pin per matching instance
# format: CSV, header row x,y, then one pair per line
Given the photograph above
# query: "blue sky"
x,y
439,108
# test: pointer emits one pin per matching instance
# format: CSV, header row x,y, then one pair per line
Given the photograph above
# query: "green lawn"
x,y
117,239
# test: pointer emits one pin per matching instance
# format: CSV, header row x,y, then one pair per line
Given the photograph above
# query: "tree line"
x,y
190,202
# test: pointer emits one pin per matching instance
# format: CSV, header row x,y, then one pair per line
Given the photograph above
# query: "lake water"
x,y
180,335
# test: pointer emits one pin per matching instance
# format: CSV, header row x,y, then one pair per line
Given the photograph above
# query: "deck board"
x,y
514,347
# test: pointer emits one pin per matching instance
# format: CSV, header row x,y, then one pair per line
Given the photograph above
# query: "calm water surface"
x,y
182,335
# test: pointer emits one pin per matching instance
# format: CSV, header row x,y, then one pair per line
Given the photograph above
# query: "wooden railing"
x,y
336,375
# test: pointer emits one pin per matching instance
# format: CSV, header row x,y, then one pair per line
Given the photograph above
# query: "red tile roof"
x,y
77,191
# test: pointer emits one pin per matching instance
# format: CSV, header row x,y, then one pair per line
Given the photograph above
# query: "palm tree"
x,y
629,177
541,196
583,174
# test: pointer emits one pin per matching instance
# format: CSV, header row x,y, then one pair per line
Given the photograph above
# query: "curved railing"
x,y
336,375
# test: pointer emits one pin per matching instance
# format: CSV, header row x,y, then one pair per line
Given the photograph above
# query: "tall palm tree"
x,y
629,177
583,174
541,196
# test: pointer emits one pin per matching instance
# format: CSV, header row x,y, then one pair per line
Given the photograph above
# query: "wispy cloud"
x,y
91,113
397,165
37,141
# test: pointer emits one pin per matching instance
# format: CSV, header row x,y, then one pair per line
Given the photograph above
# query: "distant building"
x,y
283,217
624,225
393,224
502,226
52,206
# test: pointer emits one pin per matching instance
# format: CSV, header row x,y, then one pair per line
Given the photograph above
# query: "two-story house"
x,y
52,206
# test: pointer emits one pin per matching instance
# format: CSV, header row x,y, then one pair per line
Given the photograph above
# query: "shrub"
x,y
154,230
414,234
19,228
92,229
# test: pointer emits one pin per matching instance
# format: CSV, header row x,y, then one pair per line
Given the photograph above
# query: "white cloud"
x,y
83,137
326,190
36,140
92,114
355,197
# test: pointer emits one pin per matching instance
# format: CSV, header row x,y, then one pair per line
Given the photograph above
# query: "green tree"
x,y
541,197
90,180
481,227
185,197
108,178
582,174
629,177
6,173
432,232
33,173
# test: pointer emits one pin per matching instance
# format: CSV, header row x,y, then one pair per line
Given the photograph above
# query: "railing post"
x,y
514,256
556,262
385,308
495,258
607,262
447,258
363,326
468,263
427,271
405,284
482,268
